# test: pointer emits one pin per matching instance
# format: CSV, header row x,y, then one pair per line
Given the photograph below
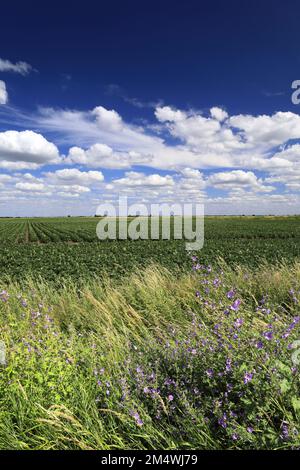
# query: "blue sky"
x,y
159,101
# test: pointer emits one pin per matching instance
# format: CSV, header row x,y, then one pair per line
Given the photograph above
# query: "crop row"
x,y
80,229
83,260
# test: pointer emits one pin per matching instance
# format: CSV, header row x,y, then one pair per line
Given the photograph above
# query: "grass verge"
x,y
204,360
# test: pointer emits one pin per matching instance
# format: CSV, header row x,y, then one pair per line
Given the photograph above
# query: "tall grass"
x,y
157,361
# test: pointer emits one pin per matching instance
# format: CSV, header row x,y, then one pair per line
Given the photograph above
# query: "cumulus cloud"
x,y
218,113
31,186
21,186
136,179
107,119
246,155
20,67
268,130
103,156
101,138
213,141
166,113
26,149
238,179
3,93
73,176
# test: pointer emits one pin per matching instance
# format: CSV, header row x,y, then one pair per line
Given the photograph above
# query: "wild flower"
x,y
285,431
228,365
137,418
236,304
248,377
238,323
223,421
230,294
268,335
4,296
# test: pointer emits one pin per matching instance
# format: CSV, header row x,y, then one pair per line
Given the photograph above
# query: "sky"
x,y
161,102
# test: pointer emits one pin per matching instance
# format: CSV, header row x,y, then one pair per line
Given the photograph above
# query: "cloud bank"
x,y
233,163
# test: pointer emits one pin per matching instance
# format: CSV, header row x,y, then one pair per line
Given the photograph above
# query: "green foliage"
x,y
154,361
62,248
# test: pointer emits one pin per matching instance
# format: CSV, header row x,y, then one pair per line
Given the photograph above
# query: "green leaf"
x,y
284,386
296,403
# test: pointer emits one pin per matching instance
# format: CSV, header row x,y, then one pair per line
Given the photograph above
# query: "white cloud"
x,y
238,179
31,186
20,67
166,113
64,194
218,113
12,166
107,119
136,179
103,156
3,93
73,176
236,148
101,138
27,186
5,178
26,149
268,130
290,154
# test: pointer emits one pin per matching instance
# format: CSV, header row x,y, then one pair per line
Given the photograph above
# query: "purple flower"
x,y
4,296
223,421
268,335
197,267
170,398
238,323
230,294
248,377
228,364
210,372
285,431
250,429
137,418
235,305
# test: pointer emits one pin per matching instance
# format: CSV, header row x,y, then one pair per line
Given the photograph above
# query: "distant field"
x,y
68,247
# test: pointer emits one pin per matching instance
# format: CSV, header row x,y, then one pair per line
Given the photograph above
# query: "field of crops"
x,y
175,351
68,247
